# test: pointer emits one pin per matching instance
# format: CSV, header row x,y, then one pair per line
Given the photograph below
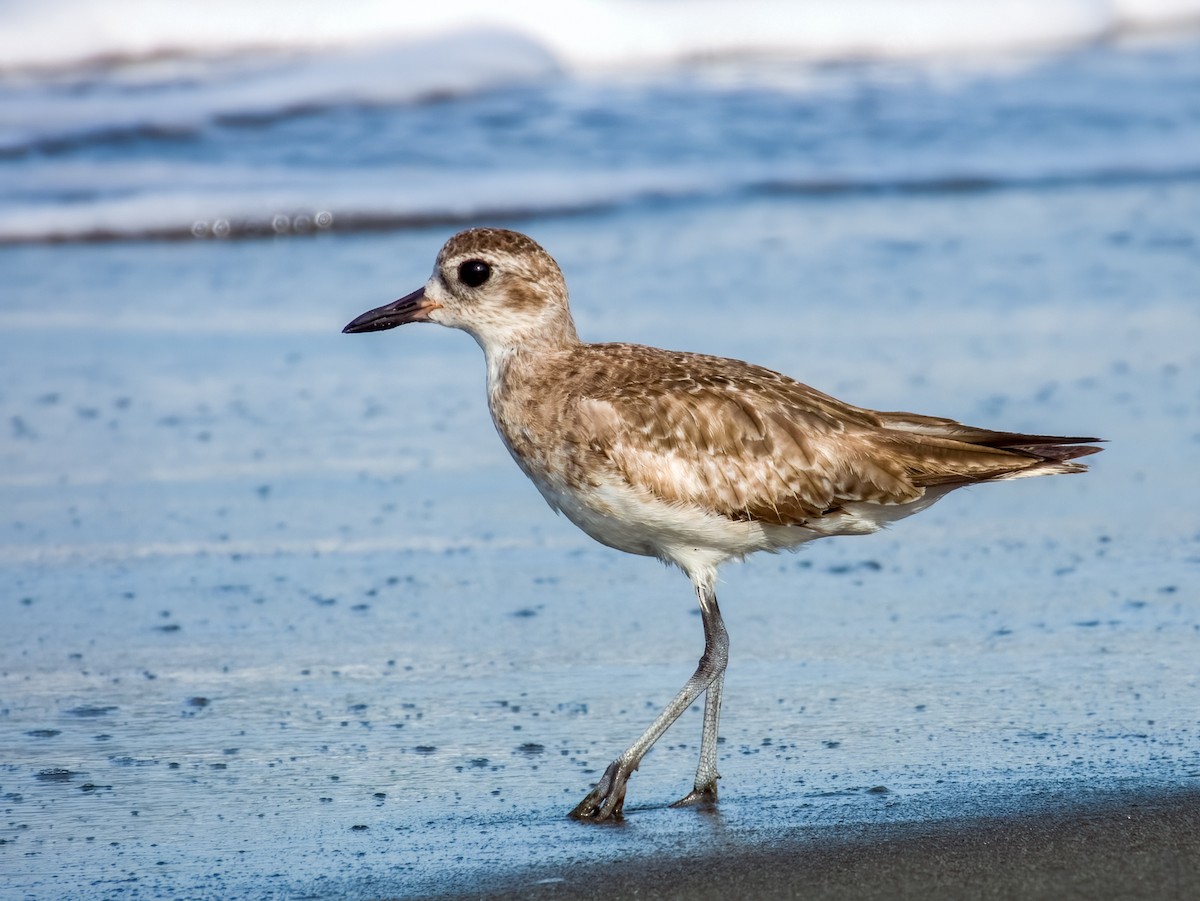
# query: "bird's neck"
x,y
521,355
515,370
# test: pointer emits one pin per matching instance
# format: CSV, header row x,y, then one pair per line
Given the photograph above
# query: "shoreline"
x,y
1140,845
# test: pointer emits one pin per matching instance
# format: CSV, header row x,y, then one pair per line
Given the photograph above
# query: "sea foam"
x,y
578,33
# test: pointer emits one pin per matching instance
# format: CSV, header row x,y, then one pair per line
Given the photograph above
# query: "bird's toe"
x,y
705,794
607,800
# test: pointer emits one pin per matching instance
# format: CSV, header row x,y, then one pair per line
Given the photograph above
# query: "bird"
x,y
692,459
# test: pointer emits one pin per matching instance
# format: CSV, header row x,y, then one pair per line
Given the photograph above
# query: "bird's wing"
x,y
751,444
742,442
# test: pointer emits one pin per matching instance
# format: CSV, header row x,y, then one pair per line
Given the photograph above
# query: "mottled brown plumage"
x,y
756,445
693,459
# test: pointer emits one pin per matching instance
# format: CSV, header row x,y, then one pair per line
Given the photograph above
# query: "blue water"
x,y
263,584
175,151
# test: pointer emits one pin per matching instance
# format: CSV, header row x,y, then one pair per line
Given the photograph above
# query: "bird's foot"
x,y
605,801
705,794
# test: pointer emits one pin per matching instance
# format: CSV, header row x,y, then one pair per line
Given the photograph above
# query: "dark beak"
x,y
413,307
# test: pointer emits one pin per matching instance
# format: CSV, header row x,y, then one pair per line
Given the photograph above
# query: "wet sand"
x,y
1136,846
284,621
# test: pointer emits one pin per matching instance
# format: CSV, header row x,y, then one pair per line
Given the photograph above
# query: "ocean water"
x,y
279,617
134,119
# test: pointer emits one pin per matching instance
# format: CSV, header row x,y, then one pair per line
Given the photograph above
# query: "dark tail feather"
x,y
1036,455
1069,449
1051,447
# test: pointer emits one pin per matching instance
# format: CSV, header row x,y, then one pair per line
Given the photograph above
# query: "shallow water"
x,y
269,584
457,127
281,618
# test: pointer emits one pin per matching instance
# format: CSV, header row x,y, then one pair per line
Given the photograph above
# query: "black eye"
x,y
474,273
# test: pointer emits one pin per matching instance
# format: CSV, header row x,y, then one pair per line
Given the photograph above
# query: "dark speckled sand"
x,y
1132,846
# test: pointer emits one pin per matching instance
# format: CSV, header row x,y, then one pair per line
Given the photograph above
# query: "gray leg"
x,y
704,789
608,797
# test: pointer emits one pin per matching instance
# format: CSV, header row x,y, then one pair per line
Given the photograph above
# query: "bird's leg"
x,y
608,797
704,789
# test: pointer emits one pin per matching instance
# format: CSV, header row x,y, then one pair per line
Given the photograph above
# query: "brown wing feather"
x,y
772,449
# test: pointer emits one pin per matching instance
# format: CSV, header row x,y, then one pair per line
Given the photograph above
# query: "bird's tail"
x,y
946,452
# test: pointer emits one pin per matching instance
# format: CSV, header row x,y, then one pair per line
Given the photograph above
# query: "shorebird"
x,y
693,459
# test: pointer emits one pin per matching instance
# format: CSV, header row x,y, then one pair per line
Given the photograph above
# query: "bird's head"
x,y
500,286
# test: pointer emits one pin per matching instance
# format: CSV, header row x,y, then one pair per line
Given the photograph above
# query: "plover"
x,y
693,459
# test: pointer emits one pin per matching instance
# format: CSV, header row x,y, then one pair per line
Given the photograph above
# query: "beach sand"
x,y
1132,846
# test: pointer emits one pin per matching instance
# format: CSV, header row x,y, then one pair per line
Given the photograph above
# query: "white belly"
x,y
690,538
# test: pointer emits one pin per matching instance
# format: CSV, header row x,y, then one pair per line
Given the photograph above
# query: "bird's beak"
x,y
413,307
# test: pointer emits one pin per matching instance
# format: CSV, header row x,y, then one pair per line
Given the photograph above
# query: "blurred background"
x,y
138,119
281,618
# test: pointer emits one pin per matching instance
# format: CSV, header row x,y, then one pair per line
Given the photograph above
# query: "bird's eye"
x,y
474,273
